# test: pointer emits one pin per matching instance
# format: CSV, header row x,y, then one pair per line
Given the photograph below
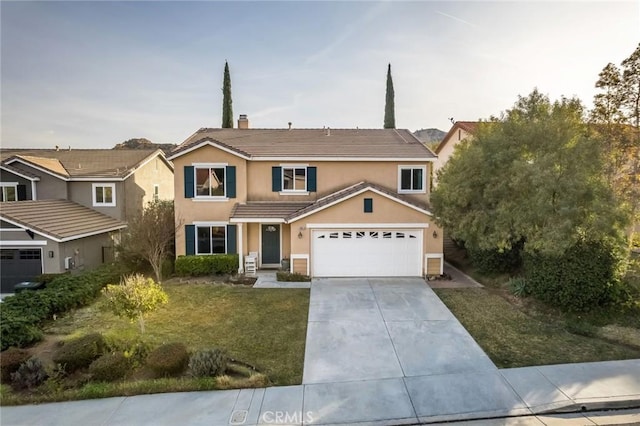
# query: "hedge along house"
x,y
336,202
51,237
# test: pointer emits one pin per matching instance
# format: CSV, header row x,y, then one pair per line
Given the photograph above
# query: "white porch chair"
x,y
251,263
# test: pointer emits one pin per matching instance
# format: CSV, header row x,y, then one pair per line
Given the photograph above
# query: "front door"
x,y
270,244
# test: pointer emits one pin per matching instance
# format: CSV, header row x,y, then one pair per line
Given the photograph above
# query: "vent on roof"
x,y
243,122
290,125
328,131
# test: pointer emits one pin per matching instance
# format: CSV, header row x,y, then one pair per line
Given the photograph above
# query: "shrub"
x,y
23,313
497,261
208,362
518,286
80,353
10,361
292,277
47,278
169,359
216,264
29,375
135,350
109,367
583,278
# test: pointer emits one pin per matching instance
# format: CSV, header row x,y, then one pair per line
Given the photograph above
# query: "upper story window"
x,y
9,192
412,179
156,192
294,178
104,194
210,181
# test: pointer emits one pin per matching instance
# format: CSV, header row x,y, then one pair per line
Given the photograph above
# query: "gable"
x,y
384,209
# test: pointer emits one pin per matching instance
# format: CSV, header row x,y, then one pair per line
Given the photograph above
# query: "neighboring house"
x,y
336,202
460,131
64,209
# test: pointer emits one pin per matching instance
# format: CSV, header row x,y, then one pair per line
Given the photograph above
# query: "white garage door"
x,y
372,253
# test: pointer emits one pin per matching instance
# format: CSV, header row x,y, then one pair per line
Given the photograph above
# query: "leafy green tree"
x,y
389,107
150,236
227,110
134,298
533,175
616,118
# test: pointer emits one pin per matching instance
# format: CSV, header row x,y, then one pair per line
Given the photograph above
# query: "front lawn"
x,y
264,328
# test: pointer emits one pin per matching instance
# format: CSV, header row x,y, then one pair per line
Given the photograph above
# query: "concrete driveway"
x,y
384,328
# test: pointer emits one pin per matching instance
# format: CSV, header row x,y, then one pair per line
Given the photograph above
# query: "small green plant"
x,y
135,297
292,277
29,375
208,362
80,353
169,359
135,350
109,367
10,361
518,286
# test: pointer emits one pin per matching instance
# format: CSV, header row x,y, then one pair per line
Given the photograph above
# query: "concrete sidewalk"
x,y
451,397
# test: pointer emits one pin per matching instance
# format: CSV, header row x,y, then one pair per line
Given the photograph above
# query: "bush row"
x,y
497,261
23,312
215,264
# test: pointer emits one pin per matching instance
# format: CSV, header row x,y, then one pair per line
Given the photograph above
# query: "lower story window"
x,y
211,239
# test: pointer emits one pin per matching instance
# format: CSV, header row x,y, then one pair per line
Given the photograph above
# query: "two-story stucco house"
x,y
336,202
63,210
460,131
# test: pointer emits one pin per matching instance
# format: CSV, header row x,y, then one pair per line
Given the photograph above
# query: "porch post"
x,y
240,250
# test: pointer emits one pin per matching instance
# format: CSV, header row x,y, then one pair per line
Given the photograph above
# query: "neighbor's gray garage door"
x,y
17,265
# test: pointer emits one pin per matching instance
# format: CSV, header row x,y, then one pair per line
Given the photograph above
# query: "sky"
x,y
94,74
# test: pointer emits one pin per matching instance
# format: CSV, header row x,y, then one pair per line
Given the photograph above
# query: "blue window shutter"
x,y
232,231
276,179
231,181
311,179
368,205
188,181
190,238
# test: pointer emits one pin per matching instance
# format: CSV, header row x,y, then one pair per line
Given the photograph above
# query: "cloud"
x,y
455,18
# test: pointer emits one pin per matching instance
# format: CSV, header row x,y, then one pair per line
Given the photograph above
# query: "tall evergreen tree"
x,y
389,107
227,110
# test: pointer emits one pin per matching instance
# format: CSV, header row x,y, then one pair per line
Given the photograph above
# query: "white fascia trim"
x,y
42,234
367,225
13,172
299,256
368,188
43,170
15,184
293,192
210,143
90,234
96,178
208,223
256,220
146,161
209,165
378,159
36,243
12,230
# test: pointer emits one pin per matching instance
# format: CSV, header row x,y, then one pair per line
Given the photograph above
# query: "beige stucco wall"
x,y
139,187
448,146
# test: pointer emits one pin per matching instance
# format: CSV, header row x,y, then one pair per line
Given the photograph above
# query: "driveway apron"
x,y
382,328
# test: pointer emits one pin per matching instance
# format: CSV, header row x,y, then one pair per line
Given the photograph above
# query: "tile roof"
x,y
79,163
28,175
350,191
266,209
309,143
467,126
60,220
290,211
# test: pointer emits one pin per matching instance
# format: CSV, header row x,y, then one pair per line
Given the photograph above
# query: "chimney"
x,y
290,125
328,131
243,122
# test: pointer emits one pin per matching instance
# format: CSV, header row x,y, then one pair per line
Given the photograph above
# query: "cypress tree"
x,y
227,110
389,107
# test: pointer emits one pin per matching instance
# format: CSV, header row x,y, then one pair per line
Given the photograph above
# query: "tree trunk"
x,y
141,323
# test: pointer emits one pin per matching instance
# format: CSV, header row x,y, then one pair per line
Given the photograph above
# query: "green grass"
x,y
263,327
516,334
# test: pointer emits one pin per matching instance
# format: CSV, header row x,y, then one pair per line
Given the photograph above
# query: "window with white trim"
x,y
211,239
104,194
294,179
9,192
156,192
210,181
412,179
